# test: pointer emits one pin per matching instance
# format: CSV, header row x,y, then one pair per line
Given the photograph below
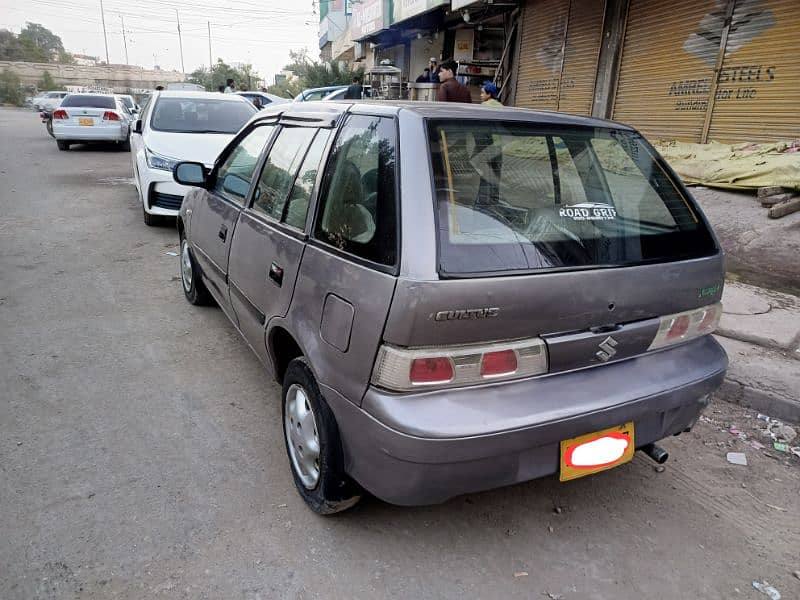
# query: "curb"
x,y
777,407
761,378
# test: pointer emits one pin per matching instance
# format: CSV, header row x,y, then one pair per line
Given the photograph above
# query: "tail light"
x,y
60,114
685,326
110,115
406,369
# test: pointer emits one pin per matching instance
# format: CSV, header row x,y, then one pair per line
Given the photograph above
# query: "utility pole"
x,y
105,35
124,40
210,61
180,40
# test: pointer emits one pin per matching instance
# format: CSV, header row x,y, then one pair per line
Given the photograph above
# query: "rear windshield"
x,y
196,115
519,197
88,101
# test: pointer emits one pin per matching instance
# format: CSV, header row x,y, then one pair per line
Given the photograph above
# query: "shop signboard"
x,y
405,9
369,16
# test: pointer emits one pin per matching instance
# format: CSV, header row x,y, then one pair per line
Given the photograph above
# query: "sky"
x,y
242,31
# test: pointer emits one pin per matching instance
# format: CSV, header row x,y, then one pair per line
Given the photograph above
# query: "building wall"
x,y
421,53
118,77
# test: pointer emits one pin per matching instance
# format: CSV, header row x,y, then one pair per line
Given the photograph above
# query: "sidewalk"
x,y
760,330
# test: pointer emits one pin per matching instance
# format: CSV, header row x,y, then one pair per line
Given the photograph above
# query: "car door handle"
x,y
276,274
223,232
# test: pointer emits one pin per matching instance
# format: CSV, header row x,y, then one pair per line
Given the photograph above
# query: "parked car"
x,y
264,99
180,125
336,95
49,101
129,103
456,299
312,94
89,118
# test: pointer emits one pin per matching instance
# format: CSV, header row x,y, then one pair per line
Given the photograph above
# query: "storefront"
x,y
692,70
667,85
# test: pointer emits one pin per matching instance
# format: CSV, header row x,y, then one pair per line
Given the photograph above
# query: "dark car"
x,y
456,299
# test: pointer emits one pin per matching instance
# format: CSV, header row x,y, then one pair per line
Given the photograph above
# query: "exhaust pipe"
x,y
657,453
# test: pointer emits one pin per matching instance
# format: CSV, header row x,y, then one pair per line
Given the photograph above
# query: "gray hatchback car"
x,y
457,298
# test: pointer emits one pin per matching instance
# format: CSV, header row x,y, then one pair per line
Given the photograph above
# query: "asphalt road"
x,y
141,453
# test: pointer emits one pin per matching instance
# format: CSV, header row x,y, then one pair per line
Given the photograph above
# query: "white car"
x,y
180,126
49,101
129,103
87,118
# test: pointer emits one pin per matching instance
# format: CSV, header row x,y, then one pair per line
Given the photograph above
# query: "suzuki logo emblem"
x,y
607,349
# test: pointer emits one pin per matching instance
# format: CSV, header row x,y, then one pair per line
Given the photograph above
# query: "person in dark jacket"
x,y
354,90
451,90
425,77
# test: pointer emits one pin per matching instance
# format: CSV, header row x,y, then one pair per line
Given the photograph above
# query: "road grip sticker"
x,y
600,452
589,211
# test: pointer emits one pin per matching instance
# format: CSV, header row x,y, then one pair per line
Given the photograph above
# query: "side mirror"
x,y
137,126
190,173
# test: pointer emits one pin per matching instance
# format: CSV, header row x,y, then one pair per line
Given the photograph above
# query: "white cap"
x,y
433,59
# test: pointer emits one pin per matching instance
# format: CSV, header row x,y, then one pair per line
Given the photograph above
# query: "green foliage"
x,y
243,75
312,74
47,82
34,43
10,89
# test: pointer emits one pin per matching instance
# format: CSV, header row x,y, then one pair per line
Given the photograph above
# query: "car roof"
x,y
199,95
439,110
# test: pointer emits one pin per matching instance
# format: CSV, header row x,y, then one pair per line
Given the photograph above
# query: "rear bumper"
x,y
105,133
427,448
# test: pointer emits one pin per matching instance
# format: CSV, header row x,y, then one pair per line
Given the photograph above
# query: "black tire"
x,y
151,220
195,290
334,490
125,146
49,126
62,145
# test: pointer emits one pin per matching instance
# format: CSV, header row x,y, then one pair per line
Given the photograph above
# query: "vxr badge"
x,y
607,349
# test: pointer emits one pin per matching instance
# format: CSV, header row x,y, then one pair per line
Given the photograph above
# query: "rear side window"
x,y
89,101
519,197
358,213
280,169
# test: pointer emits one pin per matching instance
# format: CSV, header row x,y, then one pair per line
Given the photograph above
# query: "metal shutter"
x,y
758,95
540,54
584,36
668,60
559,47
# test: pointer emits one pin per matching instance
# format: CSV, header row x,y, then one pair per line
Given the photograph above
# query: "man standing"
x,y
451,90
354,90
230,88
433,70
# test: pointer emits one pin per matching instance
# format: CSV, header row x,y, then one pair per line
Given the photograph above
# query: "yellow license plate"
x,y
595,452
86,121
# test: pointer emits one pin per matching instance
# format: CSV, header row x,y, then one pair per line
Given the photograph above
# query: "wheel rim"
x,y
302,437
186,266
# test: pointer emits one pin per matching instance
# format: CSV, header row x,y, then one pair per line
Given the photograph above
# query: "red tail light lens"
x,y
60,114
679,327
431,370
495,364
110,116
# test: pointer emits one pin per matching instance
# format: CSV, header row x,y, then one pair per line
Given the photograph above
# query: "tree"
x,y
10,48
313,74
46,82
39,44
10,89
220,73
